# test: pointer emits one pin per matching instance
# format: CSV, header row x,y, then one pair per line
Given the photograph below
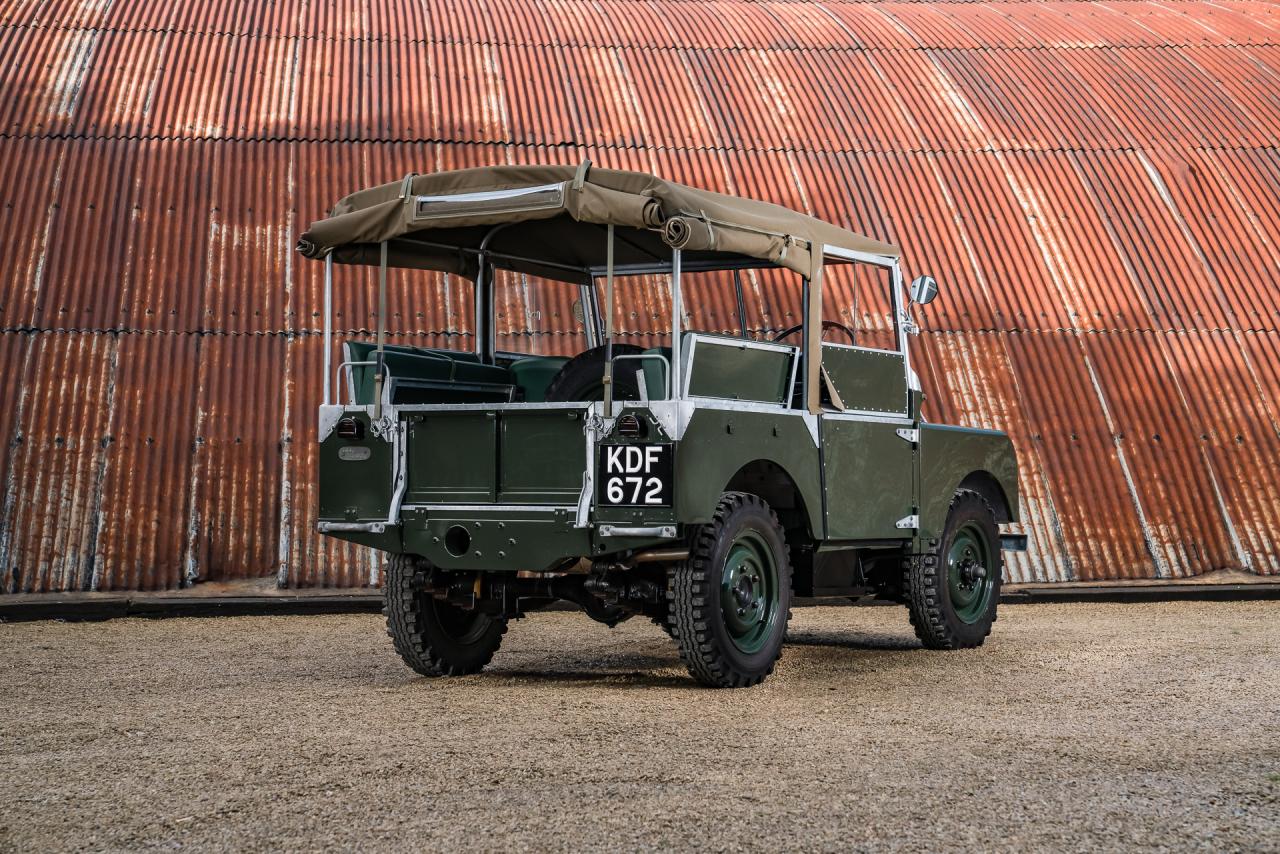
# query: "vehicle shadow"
x,y
612,678
638,669
853,640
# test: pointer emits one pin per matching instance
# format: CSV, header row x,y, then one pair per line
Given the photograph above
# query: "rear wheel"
x,y
433,637
953,592
730,601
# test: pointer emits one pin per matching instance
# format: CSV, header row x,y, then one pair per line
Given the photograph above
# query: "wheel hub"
x,y
749,591
971,571
969,583
746,592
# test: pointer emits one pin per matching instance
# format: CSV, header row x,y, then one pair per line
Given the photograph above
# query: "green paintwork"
x,y
720,442
514,456
504,538
867,380
729,369
969,583
355,490
749,591
541,455
950,454
867,472
453,457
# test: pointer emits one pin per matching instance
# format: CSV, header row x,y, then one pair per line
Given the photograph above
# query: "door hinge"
x,y
912,521
911,434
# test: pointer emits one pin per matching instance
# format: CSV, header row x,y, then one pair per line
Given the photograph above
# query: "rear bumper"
x,y
514,538
524,538
1013,542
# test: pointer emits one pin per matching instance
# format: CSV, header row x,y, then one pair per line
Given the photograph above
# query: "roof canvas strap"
x,y
406,185
580,177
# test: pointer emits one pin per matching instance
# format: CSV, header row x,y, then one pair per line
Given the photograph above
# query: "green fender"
x,y
982,460
717,445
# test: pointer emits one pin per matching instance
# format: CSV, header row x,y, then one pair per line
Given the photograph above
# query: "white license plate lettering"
x,y
636,475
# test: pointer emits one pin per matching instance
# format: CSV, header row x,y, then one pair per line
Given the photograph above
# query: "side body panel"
x,y
718,443
867,470
950,454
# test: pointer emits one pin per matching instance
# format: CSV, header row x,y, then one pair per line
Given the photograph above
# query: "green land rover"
x,y
698,478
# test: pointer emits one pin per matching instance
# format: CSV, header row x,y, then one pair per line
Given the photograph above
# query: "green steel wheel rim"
x,y
749,591
969,579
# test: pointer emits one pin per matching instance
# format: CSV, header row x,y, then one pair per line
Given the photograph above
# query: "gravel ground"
x,y
1101,726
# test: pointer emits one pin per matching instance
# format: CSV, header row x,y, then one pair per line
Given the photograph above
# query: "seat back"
x,y
533,374
425,375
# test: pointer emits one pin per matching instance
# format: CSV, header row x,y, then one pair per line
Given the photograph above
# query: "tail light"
x,y
630,427
350,428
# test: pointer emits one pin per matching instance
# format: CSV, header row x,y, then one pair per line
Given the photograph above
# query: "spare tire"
x,y
582,377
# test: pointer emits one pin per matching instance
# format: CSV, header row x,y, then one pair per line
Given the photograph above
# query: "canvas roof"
x,y
555,217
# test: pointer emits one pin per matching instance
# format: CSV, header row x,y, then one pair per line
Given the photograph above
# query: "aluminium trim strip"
x,y
853,255
492,195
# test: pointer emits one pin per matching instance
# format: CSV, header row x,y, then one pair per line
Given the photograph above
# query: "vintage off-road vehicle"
x,y
702,481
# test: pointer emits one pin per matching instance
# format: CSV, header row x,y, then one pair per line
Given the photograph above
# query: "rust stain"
x,y
1095,184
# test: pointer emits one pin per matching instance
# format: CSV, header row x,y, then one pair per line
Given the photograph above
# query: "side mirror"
x,y
923,290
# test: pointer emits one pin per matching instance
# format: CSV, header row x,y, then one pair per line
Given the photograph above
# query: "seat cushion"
x,y
534,373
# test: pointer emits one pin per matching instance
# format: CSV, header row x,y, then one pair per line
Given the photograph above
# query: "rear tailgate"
x,y
505,456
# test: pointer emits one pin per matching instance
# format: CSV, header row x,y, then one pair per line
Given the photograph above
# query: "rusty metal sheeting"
x,y
1095,184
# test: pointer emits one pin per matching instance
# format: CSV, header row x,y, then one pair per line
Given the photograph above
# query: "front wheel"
x,y
433,637
953,593
730,601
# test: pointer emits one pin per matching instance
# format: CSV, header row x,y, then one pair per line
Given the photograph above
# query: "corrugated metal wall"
x,y
1096,184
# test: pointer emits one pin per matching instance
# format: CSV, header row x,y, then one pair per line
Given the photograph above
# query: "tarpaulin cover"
x,y
560,217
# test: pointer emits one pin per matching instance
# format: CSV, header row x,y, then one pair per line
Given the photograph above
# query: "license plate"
x,y
635,476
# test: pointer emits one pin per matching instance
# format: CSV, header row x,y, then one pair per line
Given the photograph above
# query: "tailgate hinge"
x,y
911,434
912,521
